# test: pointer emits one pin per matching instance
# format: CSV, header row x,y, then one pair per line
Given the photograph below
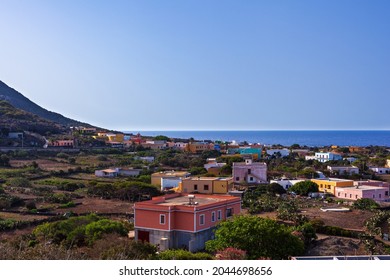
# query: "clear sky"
x,y
202,64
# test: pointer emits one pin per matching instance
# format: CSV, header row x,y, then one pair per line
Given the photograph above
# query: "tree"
x,y
275,188
365,204
162,138
4,160
304,188
259,237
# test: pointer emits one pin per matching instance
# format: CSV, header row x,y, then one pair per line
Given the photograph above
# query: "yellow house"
x,y
206,185
119,137
329,185
198,147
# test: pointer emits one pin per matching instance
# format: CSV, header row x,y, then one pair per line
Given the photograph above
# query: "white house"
x,y
324,157
380,170
286,183
147,159
212,162
343,169
107,173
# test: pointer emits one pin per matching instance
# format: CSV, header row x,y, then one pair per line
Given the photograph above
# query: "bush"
x,y
79,231
31,205
304,188
62,155
19,182
365,204
183,255
231,254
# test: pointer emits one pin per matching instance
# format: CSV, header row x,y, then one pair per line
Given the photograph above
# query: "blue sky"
x,y
171,65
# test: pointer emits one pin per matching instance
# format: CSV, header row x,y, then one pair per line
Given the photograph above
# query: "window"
x,y
356,196
373,196
386,193
350,195
162,219
237,178
201,219
229,212
249,171
345,195
219,215
206,187
213,216
380,195
251,179
338,194
195,187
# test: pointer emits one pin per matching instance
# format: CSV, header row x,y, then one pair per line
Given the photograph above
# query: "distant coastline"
x,y
310,138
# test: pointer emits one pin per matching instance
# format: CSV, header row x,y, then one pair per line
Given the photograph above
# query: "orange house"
x,y
182,220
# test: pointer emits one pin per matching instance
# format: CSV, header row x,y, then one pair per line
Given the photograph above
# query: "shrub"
x,y
62,155
304,188
231,254
183,255
365,204
19,182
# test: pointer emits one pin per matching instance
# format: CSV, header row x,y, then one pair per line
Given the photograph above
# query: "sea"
x,y
309,138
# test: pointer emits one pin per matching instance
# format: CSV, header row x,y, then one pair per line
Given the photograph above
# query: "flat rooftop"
x,y
363,187
171,173
184,200
208,179
333,179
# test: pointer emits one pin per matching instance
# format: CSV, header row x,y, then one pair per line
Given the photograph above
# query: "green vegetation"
x,y
19,182
129,191
183,255
365,204
78,231
260,238
304,188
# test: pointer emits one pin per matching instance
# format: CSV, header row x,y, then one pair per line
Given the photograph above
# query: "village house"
x,y
324,157
182,220
206,185
199,147
107,173
380,170
168,179
62,143
115,172
328,185
343,170
249,172
214,167
155,144
286,183
377,193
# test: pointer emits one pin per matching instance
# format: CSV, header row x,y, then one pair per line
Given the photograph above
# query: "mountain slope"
x,y
19,101
13,119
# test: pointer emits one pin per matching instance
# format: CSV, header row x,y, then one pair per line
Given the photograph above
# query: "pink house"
x,y
249,172
377,193
62,143
181,220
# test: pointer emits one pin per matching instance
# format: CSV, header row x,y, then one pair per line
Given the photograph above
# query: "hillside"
x,y
13,119
19,101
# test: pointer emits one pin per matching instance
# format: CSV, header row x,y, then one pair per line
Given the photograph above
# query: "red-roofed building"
x,y
181,220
